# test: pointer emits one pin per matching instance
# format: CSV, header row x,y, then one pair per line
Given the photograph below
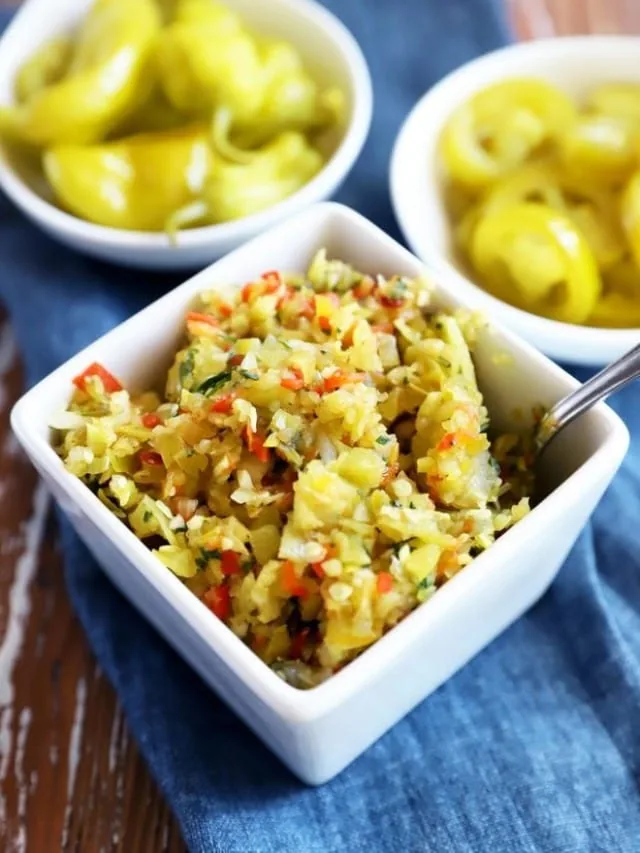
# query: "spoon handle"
x,y
612,378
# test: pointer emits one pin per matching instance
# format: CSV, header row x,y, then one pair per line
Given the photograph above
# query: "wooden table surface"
x,y
71,779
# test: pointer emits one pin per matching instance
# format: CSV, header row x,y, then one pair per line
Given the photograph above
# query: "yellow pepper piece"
x,y
624,278
107,77
291,98
458,200
465,228
500,127
599,149
207,12
619,307
621,100
135,183
208,62
534,182
47,65
616,311
269,175
276,171
630,210
592,210
536,259
154,114
601,229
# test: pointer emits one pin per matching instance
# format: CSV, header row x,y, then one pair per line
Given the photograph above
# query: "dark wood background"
x,y
71,779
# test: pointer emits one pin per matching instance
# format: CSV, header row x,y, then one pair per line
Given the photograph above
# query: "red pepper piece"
x,y
151,420
109,381
230,563
218,600
150,457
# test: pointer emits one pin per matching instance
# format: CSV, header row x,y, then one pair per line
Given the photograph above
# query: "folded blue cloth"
x,y
532,747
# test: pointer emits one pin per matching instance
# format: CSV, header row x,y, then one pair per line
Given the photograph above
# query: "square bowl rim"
x,y
295,705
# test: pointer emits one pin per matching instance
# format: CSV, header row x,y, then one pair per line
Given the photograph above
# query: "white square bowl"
x,y
316,733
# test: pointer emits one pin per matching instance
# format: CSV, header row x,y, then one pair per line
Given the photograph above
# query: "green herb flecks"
x,y
249,374
397,546
206,554
186,368
213,383
383,439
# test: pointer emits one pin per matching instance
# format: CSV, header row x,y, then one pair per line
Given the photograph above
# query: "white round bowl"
x,y
576,65
330,53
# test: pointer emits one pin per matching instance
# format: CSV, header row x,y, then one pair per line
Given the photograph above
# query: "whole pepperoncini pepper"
x,y
205,59
46,66
135,183
106,78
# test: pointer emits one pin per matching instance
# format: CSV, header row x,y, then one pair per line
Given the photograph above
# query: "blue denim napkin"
x,y
534,746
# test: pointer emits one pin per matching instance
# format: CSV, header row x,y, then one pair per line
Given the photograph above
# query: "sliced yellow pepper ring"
x,y
591,210
621,100
458,200
601,231
464,230
630,210
134,183
208,12
500,127
619,306
624,278
616,311
534,182
536,259
600,149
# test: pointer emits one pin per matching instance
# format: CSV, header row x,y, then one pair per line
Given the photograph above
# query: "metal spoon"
x,y
612,378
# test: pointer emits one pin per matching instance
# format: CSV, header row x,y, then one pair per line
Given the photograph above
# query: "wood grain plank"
x,y
71,778
548,18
